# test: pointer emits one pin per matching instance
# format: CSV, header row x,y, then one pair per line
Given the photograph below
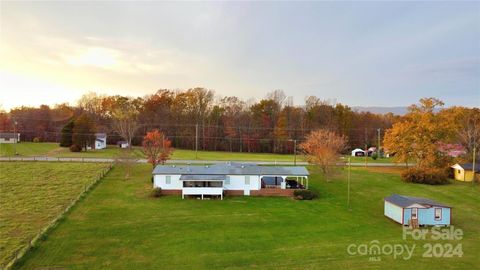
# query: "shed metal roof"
x,y
231,169
469,166
404,201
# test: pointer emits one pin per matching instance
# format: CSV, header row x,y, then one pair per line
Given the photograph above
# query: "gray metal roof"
x,y
404,201
101,135
469,166
219,177
231,169
8,135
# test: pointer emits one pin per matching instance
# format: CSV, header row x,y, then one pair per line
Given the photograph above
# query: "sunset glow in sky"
x,y
366,54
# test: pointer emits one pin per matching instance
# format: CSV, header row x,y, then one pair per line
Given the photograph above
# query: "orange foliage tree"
x,y
157,147
323,147
418,135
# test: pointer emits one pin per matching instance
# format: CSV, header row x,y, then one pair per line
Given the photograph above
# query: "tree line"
x,y
198,117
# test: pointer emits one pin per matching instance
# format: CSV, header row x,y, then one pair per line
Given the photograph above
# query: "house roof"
x,y
230,169
8,135
122,142
101,135
220,177
469,166
358,150
404,201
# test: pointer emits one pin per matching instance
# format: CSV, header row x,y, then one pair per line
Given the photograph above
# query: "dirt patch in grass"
x,y
394,170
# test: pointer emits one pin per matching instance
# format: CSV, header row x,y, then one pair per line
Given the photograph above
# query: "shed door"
x,y
414,213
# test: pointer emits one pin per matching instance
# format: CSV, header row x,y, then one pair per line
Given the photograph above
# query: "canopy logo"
x,y
374,249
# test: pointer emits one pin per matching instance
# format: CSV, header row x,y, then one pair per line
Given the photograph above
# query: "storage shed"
x,y
464,172
407,210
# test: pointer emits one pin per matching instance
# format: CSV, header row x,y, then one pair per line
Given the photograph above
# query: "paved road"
x,y
108,160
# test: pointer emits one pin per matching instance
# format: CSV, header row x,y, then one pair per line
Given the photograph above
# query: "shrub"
x,y
36,140
374,156
305,194
430,176
157,192
75,148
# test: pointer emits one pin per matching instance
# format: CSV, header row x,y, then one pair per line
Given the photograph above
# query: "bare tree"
x,y
125,121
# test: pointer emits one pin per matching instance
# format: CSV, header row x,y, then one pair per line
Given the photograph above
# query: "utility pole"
x,y
196,141
15,137
378,143
366,148
348,182
473,162
295,152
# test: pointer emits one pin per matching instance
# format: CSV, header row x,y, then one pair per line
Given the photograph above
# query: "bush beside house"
x,y
430,176
305,194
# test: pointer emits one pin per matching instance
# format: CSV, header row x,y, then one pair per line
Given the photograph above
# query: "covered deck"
x,y
284,181
202,185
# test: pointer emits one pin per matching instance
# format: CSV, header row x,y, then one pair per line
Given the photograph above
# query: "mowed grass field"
x,y
53,150
26,149
33,194
120,226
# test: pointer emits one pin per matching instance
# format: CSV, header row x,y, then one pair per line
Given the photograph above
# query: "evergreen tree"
x,y
67,131
83,131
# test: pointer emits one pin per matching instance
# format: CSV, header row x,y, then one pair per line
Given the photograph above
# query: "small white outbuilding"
x,y
358,153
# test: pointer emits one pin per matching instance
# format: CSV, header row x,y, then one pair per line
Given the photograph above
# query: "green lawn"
x,y
53,150
27,149
35,193
369,160
119,226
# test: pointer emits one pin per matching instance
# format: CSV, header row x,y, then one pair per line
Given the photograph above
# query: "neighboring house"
x,y
229,179
371,150
122,144
358,153
464,172
406,210
100,140
452,150
9,137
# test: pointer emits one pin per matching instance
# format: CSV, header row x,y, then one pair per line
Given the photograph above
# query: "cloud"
x,y
450,69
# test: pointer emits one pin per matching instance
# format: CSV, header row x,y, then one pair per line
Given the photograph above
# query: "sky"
x,y
356,53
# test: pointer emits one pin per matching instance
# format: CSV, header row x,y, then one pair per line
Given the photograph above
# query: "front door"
x,y
414,213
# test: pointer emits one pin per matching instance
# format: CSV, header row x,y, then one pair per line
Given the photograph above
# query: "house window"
x,y
438,213
227,180
168,179
247,180
458,171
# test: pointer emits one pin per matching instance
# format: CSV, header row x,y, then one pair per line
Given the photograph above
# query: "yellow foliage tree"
x,y
418,135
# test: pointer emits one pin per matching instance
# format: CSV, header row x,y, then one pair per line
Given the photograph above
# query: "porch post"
x,y
307,181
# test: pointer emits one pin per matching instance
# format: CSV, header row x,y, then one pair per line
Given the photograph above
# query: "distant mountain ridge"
x,y
382,110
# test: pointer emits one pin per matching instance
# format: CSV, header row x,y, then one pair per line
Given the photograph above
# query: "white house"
x,y
358,152
9,137
122,144
100,140
229,179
